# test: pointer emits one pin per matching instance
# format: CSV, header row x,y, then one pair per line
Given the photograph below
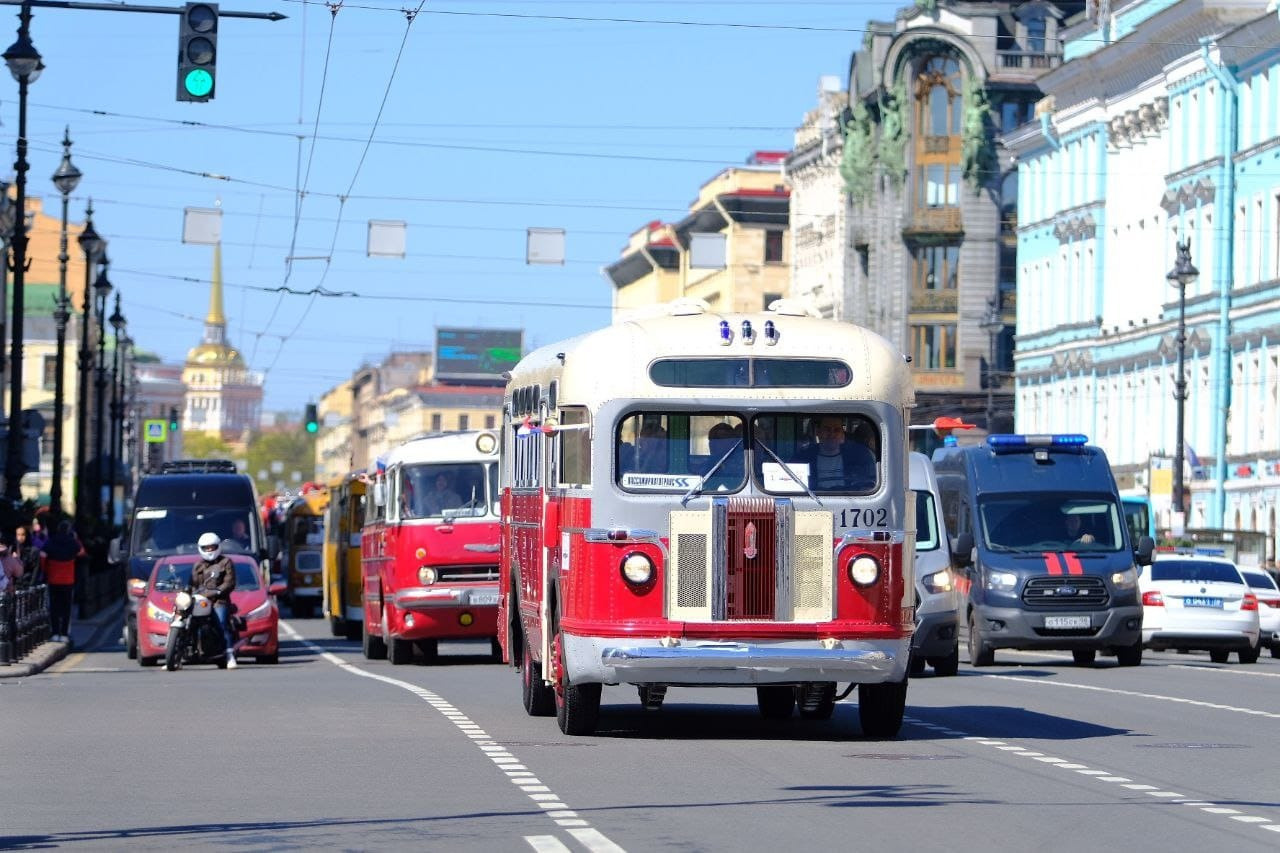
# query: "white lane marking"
x,y
593,839
1177,699
1105,776
1229,671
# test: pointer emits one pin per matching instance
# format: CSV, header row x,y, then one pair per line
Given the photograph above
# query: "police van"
x,y
1041,537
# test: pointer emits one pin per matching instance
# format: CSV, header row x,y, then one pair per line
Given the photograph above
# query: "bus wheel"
x,y
816,700
880,708
577,705
302,608
775,703
495,649
430,649
373,647
336,627
948,665
980,654
399,652
352,630
539,699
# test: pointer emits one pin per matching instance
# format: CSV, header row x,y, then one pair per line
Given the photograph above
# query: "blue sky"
x,y
494,117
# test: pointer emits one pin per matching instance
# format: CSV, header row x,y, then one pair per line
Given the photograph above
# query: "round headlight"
x,y
486,442
637,568
426,576
182,600
864,570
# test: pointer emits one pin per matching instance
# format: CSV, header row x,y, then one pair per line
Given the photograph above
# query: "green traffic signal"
x,y
313,427
311,419
198,82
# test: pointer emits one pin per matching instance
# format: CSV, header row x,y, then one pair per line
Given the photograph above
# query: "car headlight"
x,y
261,610
426,575
1128,579
864,570
157,614
938,581
637,569
1004,581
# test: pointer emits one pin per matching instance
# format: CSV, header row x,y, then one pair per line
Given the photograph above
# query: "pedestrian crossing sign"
x,y
156,431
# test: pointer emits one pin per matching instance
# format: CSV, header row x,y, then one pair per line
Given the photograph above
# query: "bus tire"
x,y
949,665
302,608
980,654
399,652
373,647
495,650
1130,655
352,630
817,700
539,699
880,708
430,649
336,627
775,703
577,705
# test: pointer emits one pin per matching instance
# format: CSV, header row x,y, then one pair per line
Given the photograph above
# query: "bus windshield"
x,y
429,490
715,451
1050,522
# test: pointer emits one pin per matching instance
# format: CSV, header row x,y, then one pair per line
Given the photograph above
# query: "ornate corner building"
x,y
904,204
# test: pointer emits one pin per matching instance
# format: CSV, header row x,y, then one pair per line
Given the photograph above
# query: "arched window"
x,y
938,97
939,111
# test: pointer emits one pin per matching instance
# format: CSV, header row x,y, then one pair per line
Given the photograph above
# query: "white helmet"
x,y
210,546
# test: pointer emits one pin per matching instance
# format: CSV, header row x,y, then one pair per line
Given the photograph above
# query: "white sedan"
x,y
1198,602
1264,586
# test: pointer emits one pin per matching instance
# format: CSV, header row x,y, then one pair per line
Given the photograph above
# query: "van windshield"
x,y
1054,522
175,530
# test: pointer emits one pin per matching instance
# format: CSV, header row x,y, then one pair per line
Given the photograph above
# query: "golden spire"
x,y
216,316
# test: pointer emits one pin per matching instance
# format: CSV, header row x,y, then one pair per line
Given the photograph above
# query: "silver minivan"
x,y
936,639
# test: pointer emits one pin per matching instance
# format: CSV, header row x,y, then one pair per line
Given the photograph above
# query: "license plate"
x,y
1067,622
1199,601
480,599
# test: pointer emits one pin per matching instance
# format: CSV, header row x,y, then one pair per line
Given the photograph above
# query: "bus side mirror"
x,y
379,493
962,551
1142,554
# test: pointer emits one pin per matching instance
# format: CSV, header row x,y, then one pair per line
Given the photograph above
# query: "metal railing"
x,y
24,622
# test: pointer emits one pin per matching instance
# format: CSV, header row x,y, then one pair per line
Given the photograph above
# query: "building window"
x,y
939,185
934,347
50,375
436,422
935,267
769,299
773,247
463,421
938,101
489,421
1035,33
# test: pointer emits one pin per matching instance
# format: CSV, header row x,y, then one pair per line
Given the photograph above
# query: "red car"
x,y
255,603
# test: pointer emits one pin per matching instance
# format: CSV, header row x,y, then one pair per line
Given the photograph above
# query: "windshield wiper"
x,y
697,489
792,474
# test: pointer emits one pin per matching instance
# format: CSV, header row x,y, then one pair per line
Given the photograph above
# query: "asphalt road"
x,y
326,749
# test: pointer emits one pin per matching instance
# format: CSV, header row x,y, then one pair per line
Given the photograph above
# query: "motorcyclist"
x,y
214,577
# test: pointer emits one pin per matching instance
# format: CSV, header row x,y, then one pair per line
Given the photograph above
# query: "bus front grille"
x,y
751,552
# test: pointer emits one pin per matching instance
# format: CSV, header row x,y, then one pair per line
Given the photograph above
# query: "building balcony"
x,y
1024,59
935,220
926,301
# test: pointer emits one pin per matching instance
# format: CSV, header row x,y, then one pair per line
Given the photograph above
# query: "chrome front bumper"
x,y
426,597
712,662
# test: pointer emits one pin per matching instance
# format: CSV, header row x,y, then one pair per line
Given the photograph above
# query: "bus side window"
x,y
575,448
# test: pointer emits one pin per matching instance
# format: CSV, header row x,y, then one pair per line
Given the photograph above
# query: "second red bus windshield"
x,y
428,490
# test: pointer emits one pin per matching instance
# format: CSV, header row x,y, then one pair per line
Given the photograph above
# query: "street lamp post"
x,y
101,288
6,233
992,323
1182,274
92,245
118,323
24,64
66,179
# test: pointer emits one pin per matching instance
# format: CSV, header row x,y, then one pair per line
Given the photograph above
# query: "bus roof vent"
x,y
792,308
687,307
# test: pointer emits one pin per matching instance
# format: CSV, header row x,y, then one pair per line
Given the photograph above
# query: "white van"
x,y
936,639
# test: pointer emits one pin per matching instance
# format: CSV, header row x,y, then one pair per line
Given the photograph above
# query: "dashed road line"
x,y
1108,777
541,795
1217,706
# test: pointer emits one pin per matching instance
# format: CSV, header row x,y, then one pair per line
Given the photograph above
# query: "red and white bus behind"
x,y
428,549
709,500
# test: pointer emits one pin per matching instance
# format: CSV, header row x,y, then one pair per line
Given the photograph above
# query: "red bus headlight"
x,y
864,570
637,569
426,576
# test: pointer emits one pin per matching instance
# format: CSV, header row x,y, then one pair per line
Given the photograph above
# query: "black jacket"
x,y
857,460
214,579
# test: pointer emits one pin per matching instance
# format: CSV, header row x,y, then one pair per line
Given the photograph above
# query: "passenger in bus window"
x,y
836,464
444,497
721,439
651,449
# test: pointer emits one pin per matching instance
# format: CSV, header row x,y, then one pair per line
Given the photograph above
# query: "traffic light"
x,y
174,426
197,51
310,421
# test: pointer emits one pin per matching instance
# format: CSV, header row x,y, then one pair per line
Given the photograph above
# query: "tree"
x,y
204,445
295,451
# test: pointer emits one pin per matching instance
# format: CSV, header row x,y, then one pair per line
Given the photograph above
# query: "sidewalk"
x,y
86,634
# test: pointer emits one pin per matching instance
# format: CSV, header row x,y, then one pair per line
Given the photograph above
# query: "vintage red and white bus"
x,y
701,499
429,546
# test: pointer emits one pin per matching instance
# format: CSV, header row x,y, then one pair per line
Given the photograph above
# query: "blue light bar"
x,y
1009,441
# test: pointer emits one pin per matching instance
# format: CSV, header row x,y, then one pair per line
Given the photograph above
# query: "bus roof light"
x,y
726,333
770,333
748,333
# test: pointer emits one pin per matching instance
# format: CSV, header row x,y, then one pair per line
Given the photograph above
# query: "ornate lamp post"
x,y
992,324
118,323
1182,274
66,179
7,214
101,289
24,64
92,245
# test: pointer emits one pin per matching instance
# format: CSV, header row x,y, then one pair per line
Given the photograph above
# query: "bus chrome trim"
x,y
423,598
598,659
784,567
719,559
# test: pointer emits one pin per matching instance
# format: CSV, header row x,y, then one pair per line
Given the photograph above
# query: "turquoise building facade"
x,y
1162,126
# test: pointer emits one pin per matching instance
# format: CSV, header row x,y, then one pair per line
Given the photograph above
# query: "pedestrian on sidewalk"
x,y
59,557
29,553
10,570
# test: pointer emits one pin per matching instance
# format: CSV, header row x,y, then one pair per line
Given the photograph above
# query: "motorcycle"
x,y
195,636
